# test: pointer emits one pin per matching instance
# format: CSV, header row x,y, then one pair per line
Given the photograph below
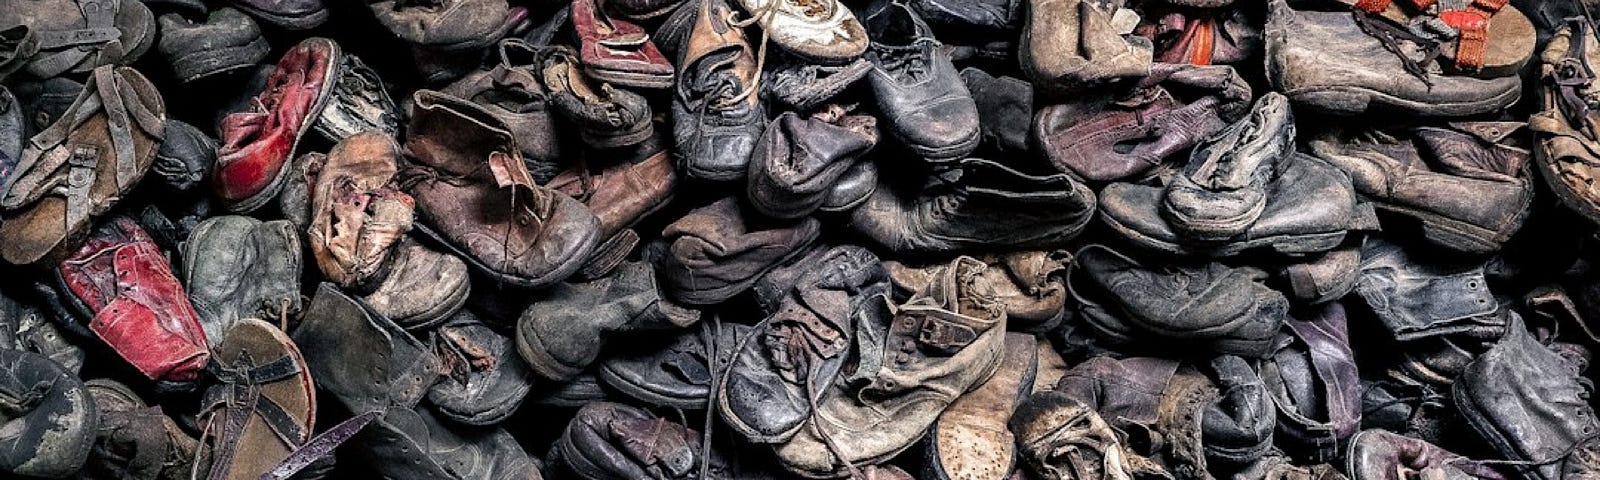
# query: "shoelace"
x,y
1391,35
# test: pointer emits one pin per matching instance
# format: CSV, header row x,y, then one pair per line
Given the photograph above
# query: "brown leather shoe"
x,y
620,195
1567,148
474,195
511,88
720,250
356,217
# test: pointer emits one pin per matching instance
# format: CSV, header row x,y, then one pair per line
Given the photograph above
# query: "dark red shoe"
x,y
617,51
122,282
256,144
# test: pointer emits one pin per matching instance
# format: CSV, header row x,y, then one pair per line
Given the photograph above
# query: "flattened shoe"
x,y
237,267
257,143
357,216
76,170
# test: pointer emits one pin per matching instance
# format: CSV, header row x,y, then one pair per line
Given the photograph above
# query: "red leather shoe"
x,y
256,144
122,282
617,51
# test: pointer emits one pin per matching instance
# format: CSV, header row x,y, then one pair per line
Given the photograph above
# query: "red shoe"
x,y
617,51
256,144
120,280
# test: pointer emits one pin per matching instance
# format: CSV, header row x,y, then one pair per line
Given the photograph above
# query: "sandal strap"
x,y
1472,24
270,372
320,446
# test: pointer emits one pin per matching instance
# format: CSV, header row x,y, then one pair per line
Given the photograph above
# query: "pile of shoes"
x,y
817,239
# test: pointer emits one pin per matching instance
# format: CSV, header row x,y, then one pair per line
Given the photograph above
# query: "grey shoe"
x,y
226,40
413,444
50,421
1223,189
672,370
565,330
237,267
1415,297
423,288
484,382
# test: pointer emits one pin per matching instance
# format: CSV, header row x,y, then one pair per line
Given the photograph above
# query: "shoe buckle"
x,y
944,336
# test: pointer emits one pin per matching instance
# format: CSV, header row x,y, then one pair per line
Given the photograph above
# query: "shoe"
x,y
716,110
990,207
1478,39
819,31
25,326
1222,190
50,419
812,308
484,382
422,288
804,85
257,143
1061,438
674,369
1153,398
356,215
494,218
608,441
564,331
1465,183
120,284
1027,283
414,444
450,25
621,195
945,340
360,359
1210,307
920,94
617,51
1215,36
263,408
1563,147
78,36
1406,292
798,159
1528,403
1074,45
135,441
237,267
186,157
720,250
1309,207
1383,454
1325,62
287,14
1313,380
74,171
18,45
1129,137
359,103
1236,429
971,440
1323,278
606,116
988,15
513,89
1005,109
226,40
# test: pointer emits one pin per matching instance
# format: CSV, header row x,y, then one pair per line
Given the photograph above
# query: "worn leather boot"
x,y
1223,189
1314,382
49,418
563,332
990,207
675,369
720,250
226,40
1528,403
450,25
970,441
612,441
945,341
1128,136
1209,306
1408,294
1237,428
606,116
798,159
919,91
484,382
135,441
237,267
716,112
1325,61
474,196
414,444
363,360
258,141
1029,284
813,306
424,287
512,89
1465,183
1078,44
1566,142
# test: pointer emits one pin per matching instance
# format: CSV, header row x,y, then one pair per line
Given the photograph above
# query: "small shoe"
x,y
262,409
77,36
356,215
484,380
135,441
798,159
237,267
422,288
617,51
225,41
257,143
717,113
450,25
513,88
1075,45
606,116
50,418
720,250
924,103
970,441
564,332
819,31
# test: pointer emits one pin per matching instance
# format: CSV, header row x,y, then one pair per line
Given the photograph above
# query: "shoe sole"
x,y
270,193
1451,233
627,388
291,22
1348,100
1284,244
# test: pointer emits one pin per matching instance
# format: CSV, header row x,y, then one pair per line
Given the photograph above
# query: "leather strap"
x,y
320,446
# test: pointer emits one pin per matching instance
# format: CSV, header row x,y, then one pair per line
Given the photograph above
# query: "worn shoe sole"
x,y
291,22
1285,244
1352,100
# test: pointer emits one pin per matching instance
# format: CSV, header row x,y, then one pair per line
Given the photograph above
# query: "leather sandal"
x,y
262,409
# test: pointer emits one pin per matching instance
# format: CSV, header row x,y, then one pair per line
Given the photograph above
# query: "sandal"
x,y
79,167
81,35
262,410
1481,38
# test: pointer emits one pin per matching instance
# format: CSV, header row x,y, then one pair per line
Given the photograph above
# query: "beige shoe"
x,y
1074,44
822,31
970,441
